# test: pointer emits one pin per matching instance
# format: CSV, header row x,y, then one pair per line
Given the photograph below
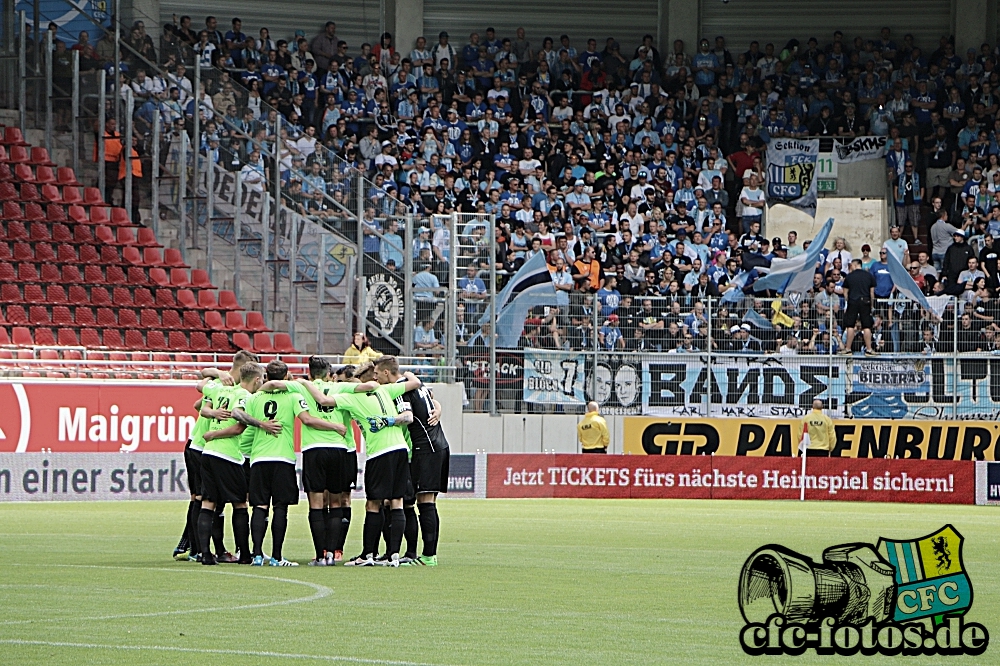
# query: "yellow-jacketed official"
x,y
592,431
819,427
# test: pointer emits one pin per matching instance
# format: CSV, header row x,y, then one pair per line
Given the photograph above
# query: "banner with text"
x,y
856,438
767,386
859,148
791,173
554,378
715,477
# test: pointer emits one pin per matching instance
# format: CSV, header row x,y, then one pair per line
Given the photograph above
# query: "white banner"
x,y
791,173
554,378
859,148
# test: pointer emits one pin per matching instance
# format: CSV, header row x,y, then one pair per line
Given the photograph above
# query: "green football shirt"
x,y
227,397
378,403
201,423
314,438
283,407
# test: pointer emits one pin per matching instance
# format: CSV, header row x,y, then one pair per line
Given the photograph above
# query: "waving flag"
x,y
905,284
758,320
796,274
531,286
735,294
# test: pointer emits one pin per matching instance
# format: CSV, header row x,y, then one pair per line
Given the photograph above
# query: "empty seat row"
x,y
152,340
55,212
112,274
124,296
81,234
127,317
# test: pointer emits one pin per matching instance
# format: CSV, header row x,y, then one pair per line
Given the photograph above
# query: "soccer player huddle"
x,y
242,453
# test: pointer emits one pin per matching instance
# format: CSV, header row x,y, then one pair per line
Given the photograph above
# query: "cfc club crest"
x,y
931,580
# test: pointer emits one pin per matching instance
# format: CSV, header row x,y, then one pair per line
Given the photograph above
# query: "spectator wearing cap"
x,y
610,335
577,199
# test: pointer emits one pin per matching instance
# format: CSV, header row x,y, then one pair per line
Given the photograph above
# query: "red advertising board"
x,y
90,417
723,477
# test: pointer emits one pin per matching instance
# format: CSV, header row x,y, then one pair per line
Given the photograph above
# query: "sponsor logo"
x,y
899,597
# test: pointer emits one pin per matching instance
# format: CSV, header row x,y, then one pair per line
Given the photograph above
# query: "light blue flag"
x,y
510,320
736,295
532,277
758,320
905,284
792,274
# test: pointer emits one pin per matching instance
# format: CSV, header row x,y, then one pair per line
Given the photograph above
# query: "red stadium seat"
x,y
186,300
109,255
22,172
15,229
172,320
27,273
16,314
134,340
92,274
89,255
12,137
30,193
137,276
89,337
71,274
199,341
192,320
206,300
165,298
199,279
44,337
106,317
131,255
61,316
93,197
100,296
61,233
179,278
8,192
144,298
128,318
242,341
71,195
51,194
66,176
113,338
24,252
22,337
67,338
11,293
105,235
119,217
99,216
45,254
122,298
156,340
125,236
115,275
172,258
234,320
20,156
5,253
56,294
85,317
151,257
7,273
220,342
5,173
39,316
33,212
33,294
78,214
262,344
4,340
149,319
158,276
45,176
177,340
40,157
147,238
78,295
227,300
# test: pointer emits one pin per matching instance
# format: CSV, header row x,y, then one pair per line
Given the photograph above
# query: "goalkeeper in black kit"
x,y
429,462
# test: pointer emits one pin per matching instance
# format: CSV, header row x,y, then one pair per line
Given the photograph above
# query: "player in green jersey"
x,y
212,379
346,375
273,482
223,480
387,459
325,472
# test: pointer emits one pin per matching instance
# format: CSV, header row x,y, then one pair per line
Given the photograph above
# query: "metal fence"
x,y
682,356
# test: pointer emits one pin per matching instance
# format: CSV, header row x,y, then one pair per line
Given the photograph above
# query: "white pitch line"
x,y
321,592
236,653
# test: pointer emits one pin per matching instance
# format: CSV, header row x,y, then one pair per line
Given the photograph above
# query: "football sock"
x,y
317,527
194,508
334,527
411,531
345,524
217,531
205,518
241,532
429,525
386,525
258,528
372,532
279,525
397,526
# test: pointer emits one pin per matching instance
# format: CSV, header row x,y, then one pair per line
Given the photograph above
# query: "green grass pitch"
x,y
575,582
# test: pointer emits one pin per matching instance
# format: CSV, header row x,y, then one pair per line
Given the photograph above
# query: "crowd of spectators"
x,y
639,174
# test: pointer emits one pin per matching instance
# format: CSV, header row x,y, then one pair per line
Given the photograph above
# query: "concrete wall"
x,y
523,433
405,20
859,221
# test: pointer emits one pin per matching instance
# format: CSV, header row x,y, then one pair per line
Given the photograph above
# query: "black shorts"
x,y
325,468
386,476
222,481
603,449
430,471
273,482
351,469
192,461
859,310
817,453
246,470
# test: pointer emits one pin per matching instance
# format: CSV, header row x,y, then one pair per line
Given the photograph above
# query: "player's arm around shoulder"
x,y
317,423
326,400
